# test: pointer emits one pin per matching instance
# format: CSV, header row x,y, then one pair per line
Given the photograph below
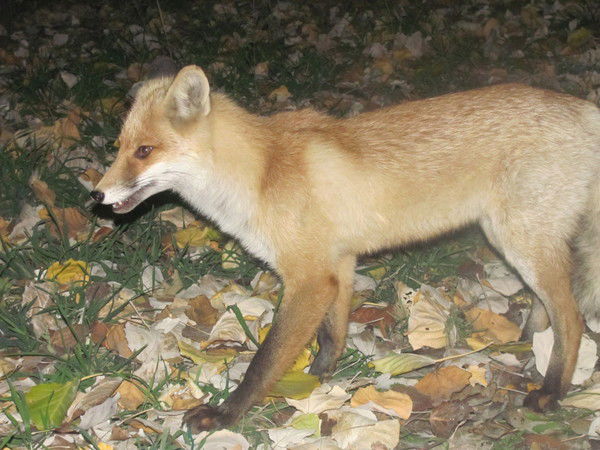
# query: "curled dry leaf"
x,y
95,395
427,320
323,398
389,402
201,311
492,326
357,428
588,398
442,383
587,357
222,439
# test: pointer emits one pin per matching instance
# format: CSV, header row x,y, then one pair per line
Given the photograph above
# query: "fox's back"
x,y
425,167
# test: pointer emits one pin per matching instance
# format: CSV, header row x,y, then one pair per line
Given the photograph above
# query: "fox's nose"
x,y
97,195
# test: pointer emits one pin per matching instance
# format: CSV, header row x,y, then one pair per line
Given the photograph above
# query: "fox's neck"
x,y
230,193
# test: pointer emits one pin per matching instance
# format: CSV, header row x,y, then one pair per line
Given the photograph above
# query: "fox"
x,y
308,193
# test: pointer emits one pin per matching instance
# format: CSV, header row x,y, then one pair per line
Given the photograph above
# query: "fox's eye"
x,y
143,151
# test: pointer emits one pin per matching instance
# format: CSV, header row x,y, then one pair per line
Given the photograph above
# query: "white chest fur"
x,y
232,209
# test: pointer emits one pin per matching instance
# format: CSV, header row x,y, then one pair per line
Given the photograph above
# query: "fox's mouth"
x,y
124,206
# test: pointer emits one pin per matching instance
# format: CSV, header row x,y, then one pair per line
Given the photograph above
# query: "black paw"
x,y
205,418
541,401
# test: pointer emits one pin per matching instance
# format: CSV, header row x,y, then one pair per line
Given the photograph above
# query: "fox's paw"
x,y
205,418
541,401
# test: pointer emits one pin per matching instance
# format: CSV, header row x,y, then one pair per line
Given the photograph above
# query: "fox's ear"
x,y
188,97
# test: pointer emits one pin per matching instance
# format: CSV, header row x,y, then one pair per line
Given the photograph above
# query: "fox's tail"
x,y
586,276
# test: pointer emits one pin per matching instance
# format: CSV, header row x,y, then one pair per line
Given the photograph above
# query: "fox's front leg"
x,y
305,303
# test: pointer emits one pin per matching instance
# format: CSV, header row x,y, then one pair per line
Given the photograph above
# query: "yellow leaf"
x,y
477,375
191,237
476,342
103,446
130,395
71,272
296,385
281,94
4,229
221,356
394,402
303,360
377,273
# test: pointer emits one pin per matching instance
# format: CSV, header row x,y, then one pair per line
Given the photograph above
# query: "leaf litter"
x,y
104,344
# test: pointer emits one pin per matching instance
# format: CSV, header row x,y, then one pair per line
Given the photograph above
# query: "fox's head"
x,y
161,142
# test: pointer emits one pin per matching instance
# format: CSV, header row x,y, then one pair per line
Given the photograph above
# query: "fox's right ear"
x,y
188,97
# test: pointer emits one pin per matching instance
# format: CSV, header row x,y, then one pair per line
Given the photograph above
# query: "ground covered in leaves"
x,y
111,327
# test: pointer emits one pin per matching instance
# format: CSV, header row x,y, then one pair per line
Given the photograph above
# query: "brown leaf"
x,y
446,417
396,403
69,221
544,442
64,338
98,332
118,434
201,311
441,384
421,402
117,341
96,395
381,318
492,326
41,191
131,396
92,176
65,129
101,233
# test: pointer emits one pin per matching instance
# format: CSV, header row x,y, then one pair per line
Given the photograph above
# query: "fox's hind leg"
x,y
537,321
332,332
543,259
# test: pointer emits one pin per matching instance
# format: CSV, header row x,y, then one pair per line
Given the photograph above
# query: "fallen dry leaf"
x,y
66,221
376,316
477,375
112,338
281,94
389,402
69,272
427,320
131,396
446,417
201,311
323,398
42,191
492,326
442,383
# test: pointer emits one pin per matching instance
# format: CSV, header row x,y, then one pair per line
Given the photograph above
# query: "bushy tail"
x,y
586,276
